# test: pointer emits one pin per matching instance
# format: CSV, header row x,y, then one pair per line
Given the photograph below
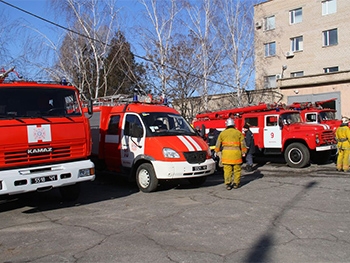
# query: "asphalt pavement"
x,y
278,215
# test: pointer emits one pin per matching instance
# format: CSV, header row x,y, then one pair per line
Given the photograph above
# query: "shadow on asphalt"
x,y
106,186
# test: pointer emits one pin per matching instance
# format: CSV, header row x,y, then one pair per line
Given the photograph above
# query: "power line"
x,y
97,40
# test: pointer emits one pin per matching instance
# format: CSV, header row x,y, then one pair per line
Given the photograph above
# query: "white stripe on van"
x,y
194,143
186,142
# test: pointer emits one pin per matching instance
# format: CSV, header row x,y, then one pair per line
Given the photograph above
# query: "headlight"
x,y
170,153
86,172
317,139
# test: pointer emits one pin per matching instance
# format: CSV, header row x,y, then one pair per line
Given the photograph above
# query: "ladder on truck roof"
x,y
309,104
224,114
121,99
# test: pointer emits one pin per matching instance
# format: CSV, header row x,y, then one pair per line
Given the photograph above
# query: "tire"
x,y
146,178
297,155
70,192
197,181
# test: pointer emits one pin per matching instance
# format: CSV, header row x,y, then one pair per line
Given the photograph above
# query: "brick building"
x,y
302,50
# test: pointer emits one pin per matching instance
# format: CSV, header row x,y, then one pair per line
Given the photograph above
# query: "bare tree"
x,y
93,24
158,38
184,78
237,37
202,29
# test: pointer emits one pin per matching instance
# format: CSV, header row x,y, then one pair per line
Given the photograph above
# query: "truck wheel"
x,y
70,192
197,181
146,178
297,155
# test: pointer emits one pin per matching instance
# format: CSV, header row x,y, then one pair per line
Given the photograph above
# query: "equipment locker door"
x,y
272,132
112,144
132,146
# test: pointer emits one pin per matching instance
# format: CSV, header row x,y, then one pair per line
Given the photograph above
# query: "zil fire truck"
x,y
316,113
45,139
277,131
148,142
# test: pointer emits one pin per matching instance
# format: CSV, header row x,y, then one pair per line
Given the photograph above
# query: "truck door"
x,y
133,139
272,132
112,147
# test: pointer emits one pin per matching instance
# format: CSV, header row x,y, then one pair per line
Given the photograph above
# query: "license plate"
x,y
43,179
199,168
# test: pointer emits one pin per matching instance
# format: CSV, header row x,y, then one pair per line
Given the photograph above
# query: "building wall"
x,y
313,58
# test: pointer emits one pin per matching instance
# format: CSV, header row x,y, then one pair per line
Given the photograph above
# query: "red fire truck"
x,y
316,113
45,139
277,131
148,142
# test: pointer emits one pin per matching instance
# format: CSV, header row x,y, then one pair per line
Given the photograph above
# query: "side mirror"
x,y
90,105
203,131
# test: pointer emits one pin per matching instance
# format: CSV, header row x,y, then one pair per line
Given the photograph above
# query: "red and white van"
x,y
148,142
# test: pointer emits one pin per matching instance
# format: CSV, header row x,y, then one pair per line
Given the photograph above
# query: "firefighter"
x,y
343,138
233,149
249,142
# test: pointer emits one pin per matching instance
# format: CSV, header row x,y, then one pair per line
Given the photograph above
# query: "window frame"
x,y
296,45
268,24
268,49
270,81
293,17
327,37
331,69
329,7
296,74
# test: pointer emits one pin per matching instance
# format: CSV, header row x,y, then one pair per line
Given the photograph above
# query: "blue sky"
x,y
130,10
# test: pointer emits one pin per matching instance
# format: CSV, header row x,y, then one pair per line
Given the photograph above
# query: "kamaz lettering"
x,y
40,150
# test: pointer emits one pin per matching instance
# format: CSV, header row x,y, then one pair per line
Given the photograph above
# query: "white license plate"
x,y
199,168
43,179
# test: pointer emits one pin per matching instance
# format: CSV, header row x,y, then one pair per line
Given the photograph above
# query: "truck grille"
x,y
195,157
22,157
328,137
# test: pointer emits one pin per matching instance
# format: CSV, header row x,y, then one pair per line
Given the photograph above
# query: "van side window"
x,y
113,126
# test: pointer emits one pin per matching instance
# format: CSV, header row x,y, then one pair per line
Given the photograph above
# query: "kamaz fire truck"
x,y
277,131
45,139
147,142
316,113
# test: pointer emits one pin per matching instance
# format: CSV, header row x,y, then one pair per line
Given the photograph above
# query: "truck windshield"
x,y
289,118
327,115
34,102
164,123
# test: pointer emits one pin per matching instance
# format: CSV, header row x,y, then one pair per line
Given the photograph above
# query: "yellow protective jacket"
x,y
231,141
343,137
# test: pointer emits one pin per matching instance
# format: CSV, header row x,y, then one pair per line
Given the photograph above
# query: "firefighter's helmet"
x,y
345,120
230,122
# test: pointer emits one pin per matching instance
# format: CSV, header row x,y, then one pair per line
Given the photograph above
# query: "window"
x,y
253,121
271,120
296,43
330,69
270,81
133,126
329,7
270,49
330,37
296,16
113,125
270,23
297,74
